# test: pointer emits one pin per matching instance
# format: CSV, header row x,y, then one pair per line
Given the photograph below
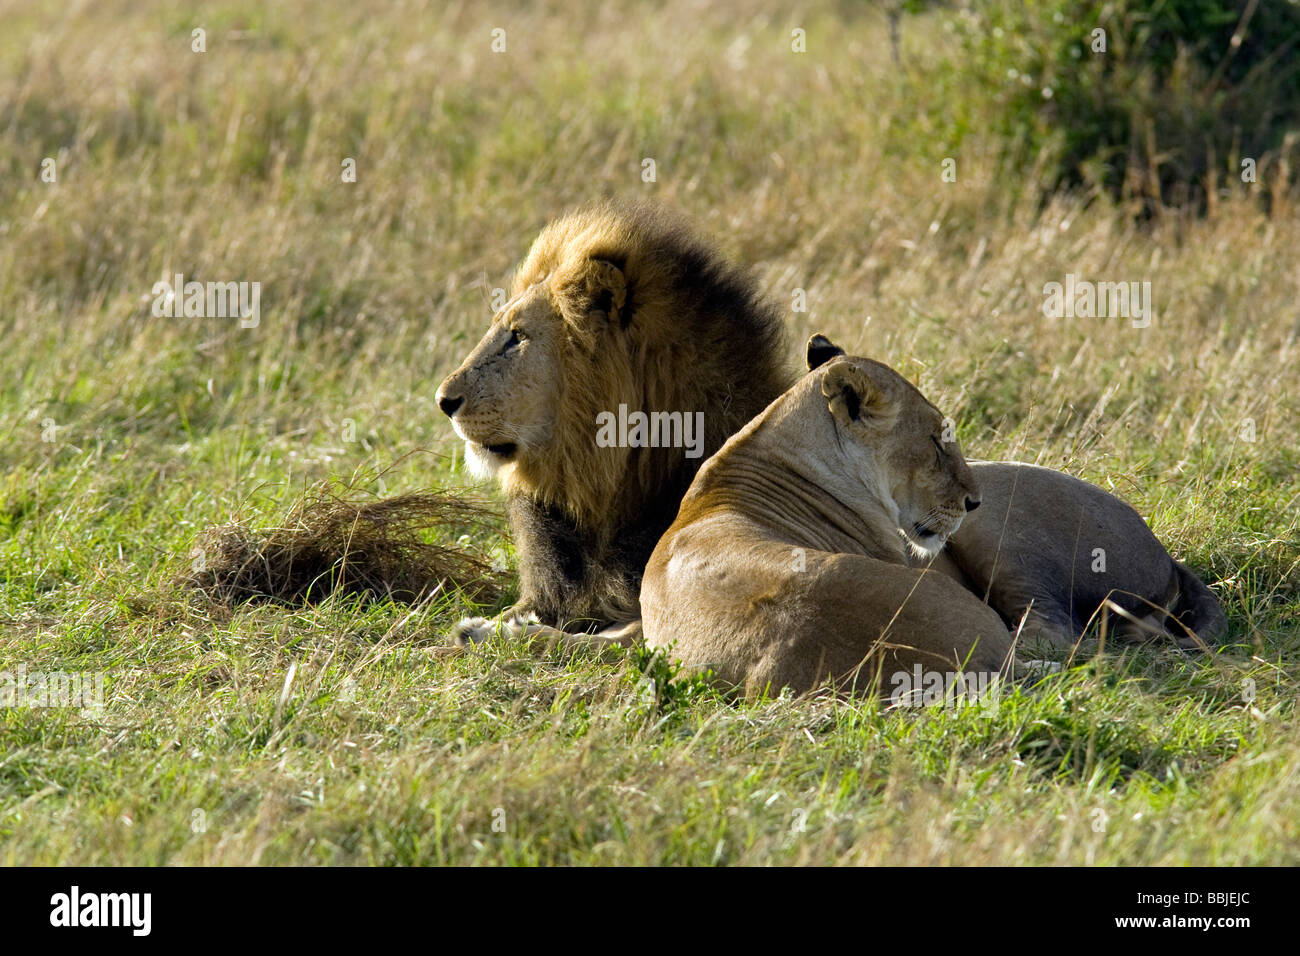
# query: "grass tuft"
x,y
331,543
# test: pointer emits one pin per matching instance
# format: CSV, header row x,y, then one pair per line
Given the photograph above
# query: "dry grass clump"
x,y
334,543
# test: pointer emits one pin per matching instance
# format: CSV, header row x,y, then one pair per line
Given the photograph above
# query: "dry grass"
x,y
333,545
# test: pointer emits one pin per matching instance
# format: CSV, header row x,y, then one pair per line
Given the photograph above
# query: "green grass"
x,y
335,734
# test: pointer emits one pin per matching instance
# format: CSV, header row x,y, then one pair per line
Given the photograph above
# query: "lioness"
x,y
1049,552
787,565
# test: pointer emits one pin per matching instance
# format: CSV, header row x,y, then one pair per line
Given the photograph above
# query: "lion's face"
x,y
902,448
525,399
503,398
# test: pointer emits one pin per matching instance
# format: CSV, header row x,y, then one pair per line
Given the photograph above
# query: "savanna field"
x,y
334,733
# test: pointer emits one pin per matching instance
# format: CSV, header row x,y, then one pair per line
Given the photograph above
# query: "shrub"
x,y
1151,101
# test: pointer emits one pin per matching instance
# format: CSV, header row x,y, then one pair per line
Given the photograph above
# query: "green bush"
x,y
1151,101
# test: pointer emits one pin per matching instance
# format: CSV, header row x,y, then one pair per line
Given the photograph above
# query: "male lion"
x,y
1048,552
617,311
787,565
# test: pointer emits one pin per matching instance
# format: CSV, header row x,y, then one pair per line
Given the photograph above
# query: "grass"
x,y
335,733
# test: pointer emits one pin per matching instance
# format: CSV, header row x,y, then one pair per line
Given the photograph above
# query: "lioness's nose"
x,y
972,503
449,404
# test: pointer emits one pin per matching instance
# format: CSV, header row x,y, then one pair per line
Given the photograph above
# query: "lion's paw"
x,y
476,630
472,630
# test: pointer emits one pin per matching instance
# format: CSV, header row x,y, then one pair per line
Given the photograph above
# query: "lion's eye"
x,y
515,338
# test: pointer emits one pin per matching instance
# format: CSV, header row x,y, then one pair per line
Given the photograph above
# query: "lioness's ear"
x,y
600,290
852,396
821,350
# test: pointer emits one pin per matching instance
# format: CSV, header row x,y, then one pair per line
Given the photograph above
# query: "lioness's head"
x,y
903,446
505,398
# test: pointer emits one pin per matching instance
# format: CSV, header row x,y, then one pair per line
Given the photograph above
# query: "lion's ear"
x,y
821,350
852,396
600,290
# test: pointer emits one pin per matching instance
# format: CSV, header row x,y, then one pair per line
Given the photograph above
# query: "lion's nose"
x,y
972,503
449,404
